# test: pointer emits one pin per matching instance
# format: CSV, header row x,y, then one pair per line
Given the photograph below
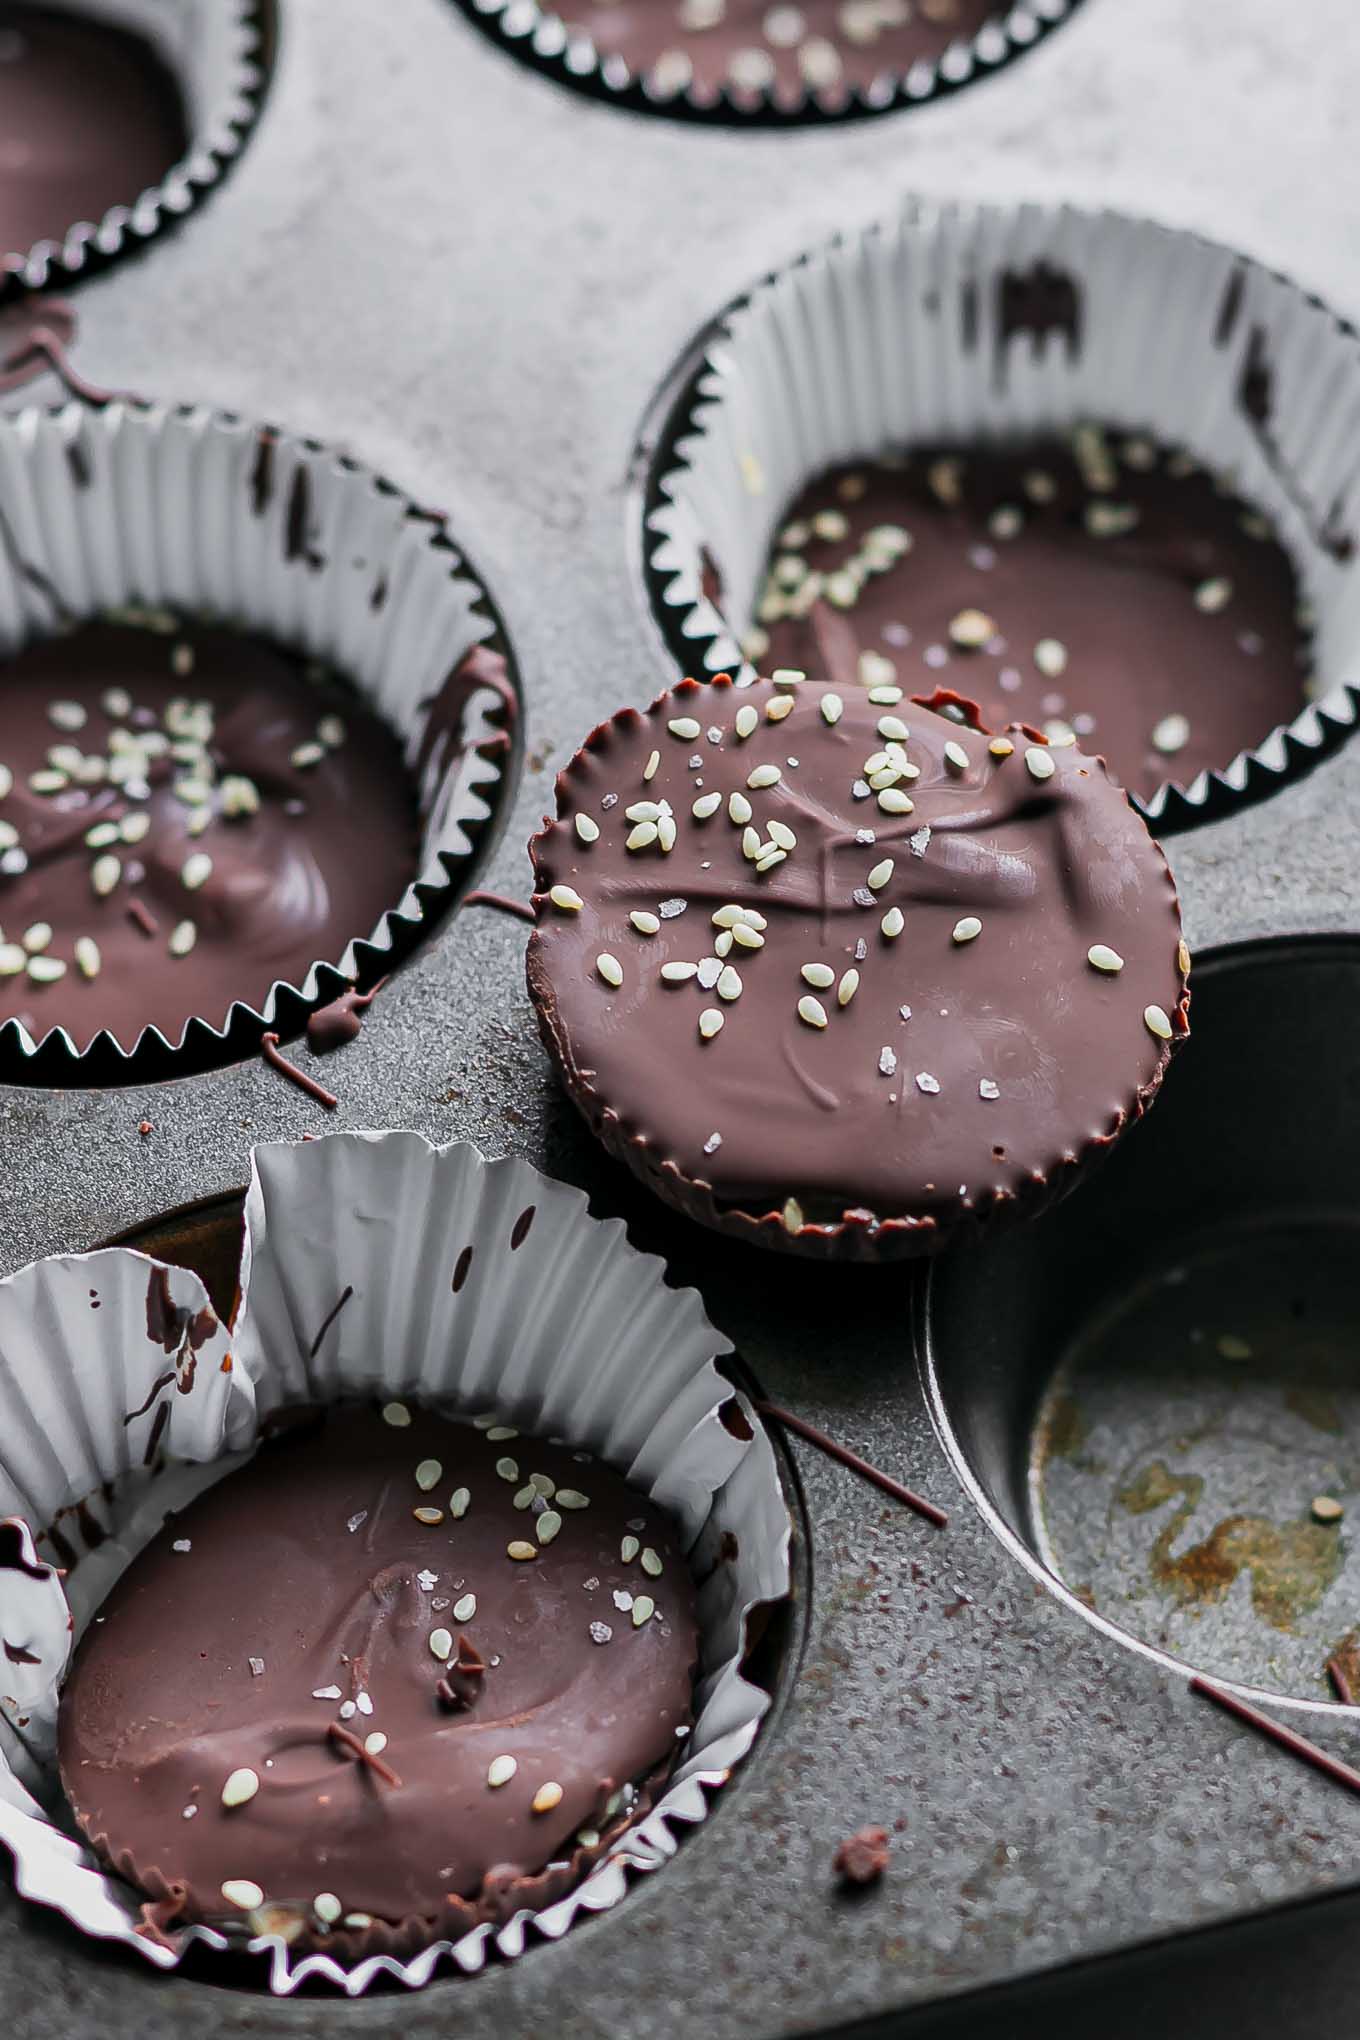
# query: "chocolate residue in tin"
x,y
445,713
1316,1407
277,1060
1343,1669
331,1027
862,1858
173,1326
502,903
1064,1430
845,1457
12,1557
1291,1565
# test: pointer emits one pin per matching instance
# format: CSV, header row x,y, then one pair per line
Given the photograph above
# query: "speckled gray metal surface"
x,y
476,281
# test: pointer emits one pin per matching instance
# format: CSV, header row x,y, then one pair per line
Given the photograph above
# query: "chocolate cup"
x,y
1025,315
282,537
540,38
224,90
1158,1484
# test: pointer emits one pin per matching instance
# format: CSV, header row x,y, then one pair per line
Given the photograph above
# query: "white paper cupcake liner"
x,y
893,336
540,37
216,50
570,1332
194,511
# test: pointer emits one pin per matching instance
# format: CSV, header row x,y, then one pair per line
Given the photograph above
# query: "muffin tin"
x,y
1062,1794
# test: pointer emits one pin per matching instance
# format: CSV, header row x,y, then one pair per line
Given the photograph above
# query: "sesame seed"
x,y
812,1011
1211,596
739,809
326,1905
629,1549
87,956
427,1474
846,989
650,768
565,900
956,757
375,1743
1183,958
526,1495
644,811
429,1516
332,731
779,707
465,1609
458,1501
1040,763
587,828
729,985
1001,747
666,834
135,827
48,781
833,708
678,973
971,629
892,923
1326,1509
893,801
240,1892
925,1082
746,723
241,1786
12,959
1156,1022
182,938
706,805
644,1607
610,969
520,1550
651,1562
441,1643
37,937
641,837
547,1526
1234,1348
101,835
196,871
1102,957
966,930
547,1797
105,873
819,975
710,1022
945,477
881,874
763,776
303,756
396,1414
1050,656
686,728
507,1469
572,1498
893,727
500,1771
45,970
1172,734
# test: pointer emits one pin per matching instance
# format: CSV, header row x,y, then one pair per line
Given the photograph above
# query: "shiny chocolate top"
x,y
384,1663
89,118
1102,587
832,947
792,50
186,816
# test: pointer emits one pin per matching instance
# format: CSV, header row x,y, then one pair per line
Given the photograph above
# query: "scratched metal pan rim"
x,y
1198,1173
1168,318
560,1324
216,497
221,54
541,38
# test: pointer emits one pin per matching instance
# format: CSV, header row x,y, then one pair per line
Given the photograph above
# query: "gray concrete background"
x,y
475,280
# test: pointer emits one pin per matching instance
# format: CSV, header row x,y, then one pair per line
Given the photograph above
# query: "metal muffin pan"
x,y
476,281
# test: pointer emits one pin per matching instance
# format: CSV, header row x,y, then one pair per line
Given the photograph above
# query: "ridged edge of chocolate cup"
x,y
205,1042
860,1234
539,38
693,632
90,246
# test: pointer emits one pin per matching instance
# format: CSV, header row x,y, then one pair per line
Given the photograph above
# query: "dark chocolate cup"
x,y
539,37
1136,1470
143,506
221,54
859,1234
1139,328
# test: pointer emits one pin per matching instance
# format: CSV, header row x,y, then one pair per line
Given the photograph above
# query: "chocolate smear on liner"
x,y
273,1055
1287,1738
331,1315
842,1453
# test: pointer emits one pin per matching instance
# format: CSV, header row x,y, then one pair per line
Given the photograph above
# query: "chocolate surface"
x,y
302,1605
913,1027
187,816
89,118
1106,588
819,48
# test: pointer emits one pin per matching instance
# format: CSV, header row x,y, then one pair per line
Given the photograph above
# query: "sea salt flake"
x,y
600,1632
696,762
713,1143
670,909
861,950
611,800
181,1544
920,842
256,1666
865,836
623,1600
346,1710
988,1089
925,1082
326,1693
887,1062
861,789
710,970
427,1580
364,1703
905,1011
714,734
357,1522
862,896
591,1584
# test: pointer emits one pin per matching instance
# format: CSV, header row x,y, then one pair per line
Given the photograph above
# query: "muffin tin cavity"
x,y
748,63
1085,404
116,118
1152,1393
